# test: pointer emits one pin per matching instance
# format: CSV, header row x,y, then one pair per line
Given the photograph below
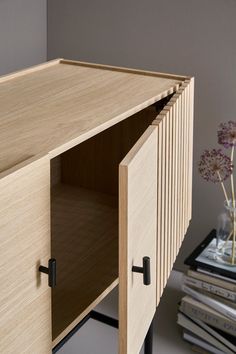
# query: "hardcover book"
x,y
213,290
210,278
200,311
191,338
202,333
204,258
219,306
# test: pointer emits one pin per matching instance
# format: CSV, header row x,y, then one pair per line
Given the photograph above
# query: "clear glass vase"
x,y
226,234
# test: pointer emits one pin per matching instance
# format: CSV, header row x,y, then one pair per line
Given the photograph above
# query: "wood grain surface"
x,y
51,108
94,163
137,238
25,298
174,191
85,245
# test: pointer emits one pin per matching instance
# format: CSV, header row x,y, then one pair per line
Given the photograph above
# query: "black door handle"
x,y
145,270
51,271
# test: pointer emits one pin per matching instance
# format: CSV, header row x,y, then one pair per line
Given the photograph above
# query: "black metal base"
x,y
104,319
148,342
70,334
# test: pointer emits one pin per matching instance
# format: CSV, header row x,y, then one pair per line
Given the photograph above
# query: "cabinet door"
x,y
174,192
137,239
25,313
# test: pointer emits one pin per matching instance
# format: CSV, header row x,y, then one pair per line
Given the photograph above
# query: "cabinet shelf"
x,y
85,244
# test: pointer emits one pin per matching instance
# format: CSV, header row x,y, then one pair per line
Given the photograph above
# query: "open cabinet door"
x,y
137,239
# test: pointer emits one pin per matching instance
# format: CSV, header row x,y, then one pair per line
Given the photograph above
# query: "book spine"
x,y
212,331
201,343
192,326
212,280
209,318
216,305
214,289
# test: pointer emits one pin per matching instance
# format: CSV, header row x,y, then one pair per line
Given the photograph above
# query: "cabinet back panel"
x,y
85,245
94,163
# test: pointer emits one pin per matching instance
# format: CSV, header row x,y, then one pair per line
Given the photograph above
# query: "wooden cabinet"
x,y
96,172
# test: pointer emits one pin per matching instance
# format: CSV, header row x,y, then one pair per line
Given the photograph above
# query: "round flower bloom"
x,y
215,166
227,134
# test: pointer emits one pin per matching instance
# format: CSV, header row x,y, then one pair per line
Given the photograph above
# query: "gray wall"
x,y
194,37
23,34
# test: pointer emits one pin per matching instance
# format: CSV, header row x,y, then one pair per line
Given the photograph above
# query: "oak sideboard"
x,y
95,192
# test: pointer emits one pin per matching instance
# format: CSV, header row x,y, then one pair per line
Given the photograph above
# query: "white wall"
x,y
194,37
23,34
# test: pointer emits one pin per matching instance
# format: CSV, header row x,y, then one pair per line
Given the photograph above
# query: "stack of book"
x,y
207,313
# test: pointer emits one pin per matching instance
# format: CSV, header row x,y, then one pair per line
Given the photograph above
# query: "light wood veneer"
x,y
137,238
85,123
58,105
24,245
85,245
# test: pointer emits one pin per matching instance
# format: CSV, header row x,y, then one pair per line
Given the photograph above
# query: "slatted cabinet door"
x,y
25,304
137,239
174,191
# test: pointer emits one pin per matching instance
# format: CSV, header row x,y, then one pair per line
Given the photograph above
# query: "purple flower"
x,y
227,134
215,166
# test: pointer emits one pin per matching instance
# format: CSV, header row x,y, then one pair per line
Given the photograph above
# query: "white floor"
x,y
97,338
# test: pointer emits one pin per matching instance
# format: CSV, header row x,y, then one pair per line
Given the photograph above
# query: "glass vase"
x,y
226,234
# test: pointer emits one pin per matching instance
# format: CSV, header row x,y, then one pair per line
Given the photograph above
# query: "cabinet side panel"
x,y
25,304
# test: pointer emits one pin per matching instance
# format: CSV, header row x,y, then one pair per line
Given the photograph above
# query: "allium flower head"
x,y
227,134
215,166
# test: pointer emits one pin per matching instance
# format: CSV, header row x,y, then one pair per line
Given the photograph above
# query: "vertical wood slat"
x,y
171,189
159,195
175,135
166,219
182,159
174,179
187,161
180,162
163,233
170,192
191,114
177,173
184,164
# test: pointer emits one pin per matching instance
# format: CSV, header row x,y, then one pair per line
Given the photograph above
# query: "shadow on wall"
x,y
183,37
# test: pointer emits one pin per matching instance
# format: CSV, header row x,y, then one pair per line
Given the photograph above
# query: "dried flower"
x,y
227,134
215,166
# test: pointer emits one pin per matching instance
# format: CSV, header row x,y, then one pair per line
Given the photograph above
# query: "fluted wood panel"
x,y
175,145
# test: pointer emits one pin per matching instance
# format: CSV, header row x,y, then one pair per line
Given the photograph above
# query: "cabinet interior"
x,y
84,219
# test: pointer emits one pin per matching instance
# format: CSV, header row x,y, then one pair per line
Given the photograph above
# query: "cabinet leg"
x,y
148,342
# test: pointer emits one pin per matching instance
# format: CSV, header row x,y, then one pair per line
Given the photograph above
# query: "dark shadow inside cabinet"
x,y
84,219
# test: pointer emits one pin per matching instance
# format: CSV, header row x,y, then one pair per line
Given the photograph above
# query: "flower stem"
x,y
233,202
226,241
233,243
223,187
232,178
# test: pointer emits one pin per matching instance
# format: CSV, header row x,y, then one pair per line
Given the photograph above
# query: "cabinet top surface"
x,y
54,106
